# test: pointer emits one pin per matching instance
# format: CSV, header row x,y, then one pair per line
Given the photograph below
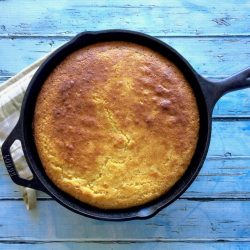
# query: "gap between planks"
x,y
122,241
191,36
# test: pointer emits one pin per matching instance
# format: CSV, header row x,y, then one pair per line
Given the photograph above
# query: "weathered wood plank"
x,y
216,54
211,57
222,179
230,139
225,173
184,219
234,104
170,18
125,245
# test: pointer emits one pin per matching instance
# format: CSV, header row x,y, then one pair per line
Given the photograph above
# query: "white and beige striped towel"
x,y
11,95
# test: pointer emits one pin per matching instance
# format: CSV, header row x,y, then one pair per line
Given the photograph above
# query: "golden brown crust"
x,y
116,125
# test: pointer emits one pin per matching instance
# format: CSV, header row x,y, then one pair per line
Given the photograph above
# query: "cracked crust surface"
x,y
116,125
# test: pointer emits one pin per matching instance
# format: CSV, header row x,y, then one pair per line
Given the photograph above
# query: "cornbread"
x,y
115,125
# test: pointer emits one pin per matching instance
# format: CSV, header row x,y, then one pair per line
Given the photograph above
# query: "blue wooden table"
x,y
214,213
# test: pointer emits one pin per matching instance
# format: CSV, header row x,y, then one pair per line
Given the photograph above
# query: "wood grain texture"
x,y
171,18
184,219
211,57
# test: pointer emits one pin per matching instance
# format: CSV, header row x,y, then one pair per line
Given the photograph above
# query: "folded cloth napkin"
x,y
11,96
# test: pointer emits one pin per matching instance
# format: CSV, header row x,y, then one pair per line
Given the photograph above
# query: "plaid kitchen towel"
x,y
11,95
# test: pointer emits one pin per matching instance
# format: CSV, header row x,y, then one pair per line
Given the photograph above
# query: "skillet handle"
x,y
9,163
214,90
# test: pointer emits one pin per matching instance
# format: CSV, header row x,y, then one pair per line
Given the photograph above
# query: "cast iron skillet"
x,y
206,92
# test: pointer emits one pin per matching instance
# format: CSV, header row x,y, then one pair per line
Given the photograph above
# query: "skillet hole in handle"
x,y
10,165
